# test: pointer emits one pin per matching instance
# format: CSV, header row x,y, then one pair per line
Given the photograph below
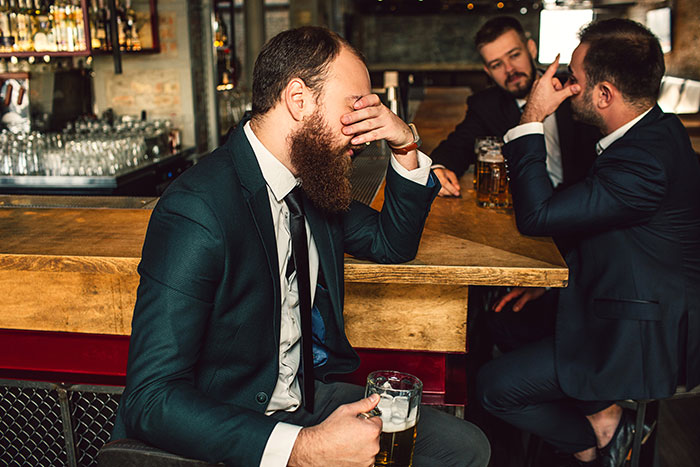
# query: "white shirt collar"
x,y
278,177
606,141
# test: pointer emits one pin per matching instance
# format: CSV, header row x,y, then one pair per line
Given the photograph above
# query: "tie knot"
x,y
294,203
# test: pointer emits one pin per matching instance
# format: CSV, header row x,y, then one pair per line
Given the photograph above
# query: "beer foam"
x,y
492,157
396,413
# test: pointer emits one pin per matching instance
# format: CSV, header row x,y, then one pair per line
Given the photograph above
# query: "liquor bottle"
x,y
79,25
56,13
24,26
121,24
94,18
14,26
132,34
40,26
6,39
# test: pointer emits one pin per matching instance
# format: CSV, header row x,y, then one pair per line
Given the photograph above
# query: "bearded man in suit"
x,y
220,363
628,324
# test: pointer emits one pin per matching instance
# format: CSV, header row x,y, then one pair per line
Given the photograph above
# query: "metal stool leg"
x,y
638,433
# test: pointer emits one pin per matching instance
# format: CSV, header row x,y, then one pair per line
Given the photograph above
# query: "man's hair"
x,y
304,53
626,54
495,28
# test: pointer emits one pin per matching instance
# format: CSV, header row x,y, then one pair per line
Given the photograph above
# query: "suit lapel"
x,y
328,260
258,202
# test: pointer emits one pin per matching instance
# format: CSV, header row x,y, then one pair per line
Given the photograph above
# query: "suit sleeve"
x,y
392,235
457,151
181,265
626,187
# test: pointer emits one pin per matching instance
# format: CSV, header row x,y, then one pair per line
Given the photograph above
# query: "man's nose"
x,y
508,66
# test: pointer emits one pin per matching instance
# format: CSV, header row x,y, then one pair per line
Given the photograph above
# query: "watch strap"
x,y
415,144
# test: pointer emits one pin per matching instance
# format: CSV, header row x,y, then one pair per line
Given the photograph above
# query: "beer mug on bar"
x,y
400,395
481,145
491,178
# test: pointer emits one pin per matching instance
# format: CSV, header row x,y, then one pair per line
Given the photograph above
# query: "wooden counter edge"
x,y
556,276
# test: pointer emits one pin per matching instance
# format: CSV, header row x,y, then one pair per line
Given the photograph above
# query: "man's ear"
x,y
297,98
532,48
605,94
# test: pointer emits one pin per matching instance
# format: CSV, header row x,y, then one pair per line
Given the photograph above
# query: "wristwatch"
x,y
410,146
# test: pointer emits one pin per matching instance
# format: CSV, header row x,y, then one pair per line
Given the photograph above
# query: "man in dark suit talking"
x,y
238,330
628,324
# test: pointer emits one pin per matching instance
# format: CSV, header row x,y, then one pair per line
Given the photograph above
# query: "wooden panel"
x,y
96,303
403,316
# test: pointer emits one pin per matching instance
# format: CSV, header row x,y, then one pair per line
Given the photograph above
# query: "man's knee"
x,y
489,387
448,440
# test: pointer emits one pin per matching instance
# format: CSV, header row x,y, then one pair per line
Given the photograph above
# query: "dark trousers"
x,y
441,438
521,388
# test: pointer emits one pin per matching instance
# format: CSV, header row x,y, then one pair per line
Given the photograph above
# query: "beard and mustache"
x,y
322,165
522,92
584,111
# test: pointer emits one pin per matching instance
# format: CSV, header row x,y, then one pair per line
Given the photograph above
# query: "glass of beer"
x,y
481,145
491,178
399,405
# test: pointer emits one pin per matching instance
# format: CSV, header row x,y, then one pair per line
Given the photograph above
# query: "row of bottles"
x,y
41,26
59,26
100,32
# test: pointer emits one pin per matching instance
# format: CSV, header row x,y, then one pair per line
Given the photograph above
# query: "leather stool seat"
x,y
134,453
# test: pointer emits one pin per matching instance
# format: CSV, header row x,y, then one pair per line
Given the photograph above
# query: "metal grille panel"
x,y
31,431
93,417
368,171
47,424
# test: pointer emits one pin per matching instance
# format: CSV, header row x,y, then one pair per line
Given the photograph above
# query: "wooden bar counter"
x,y
68,283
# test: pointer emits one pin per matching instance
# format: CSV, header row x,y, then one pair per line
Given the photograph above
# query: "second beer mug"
x,y
491,179
400,408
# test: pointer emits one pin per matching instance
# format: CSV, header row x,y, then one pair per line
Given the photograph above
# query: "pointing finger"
x,y
552,68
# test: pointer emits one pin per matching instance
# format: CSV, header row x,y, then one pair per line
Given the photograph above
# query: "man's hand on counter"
x,y
449,182
371,121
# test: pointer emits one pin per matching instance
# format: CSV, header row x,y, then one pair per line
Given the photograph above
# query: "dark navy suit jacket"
x,y
628,324
492,112
203,355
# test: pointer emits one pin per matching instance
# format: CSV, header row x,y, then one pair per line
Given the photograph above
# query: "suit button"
x,y
261,397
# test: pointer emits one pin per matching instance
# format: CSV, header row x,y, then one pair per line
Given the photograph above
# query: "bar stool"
x,y
134,453
640,407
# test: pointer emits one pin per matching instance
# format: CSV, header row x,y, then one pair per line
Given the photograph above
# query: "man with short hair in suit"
x,y
509,60
628,324
220,362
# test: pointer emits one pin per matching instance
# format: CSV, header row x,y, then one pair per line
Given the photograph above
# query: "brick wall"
x,y
159,83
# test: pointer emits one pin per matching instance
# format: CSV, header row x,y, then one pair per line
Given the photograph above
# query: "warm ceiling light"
x,y
499,5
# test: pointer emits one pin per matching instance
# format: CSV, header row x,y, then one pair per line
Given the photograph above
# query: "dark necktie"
x,y
300,256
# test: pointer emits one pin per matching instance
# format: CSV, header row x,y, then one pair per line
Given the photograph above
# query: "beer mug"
x,y
481,145
399,404
491,178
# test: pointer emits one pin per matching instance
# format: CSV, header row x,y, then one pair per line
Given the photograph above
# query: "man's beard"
x,y
324,168
522,93
584,111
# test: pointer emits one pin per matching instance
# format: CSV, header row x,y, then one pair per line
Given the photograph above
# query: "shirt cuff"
x,y
437,166
532,128
279,445
419,175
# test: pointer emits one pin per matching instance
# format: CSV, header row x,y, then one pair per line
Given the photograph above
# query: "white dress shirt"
x,y
606,141
287,393
538,128
555,169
